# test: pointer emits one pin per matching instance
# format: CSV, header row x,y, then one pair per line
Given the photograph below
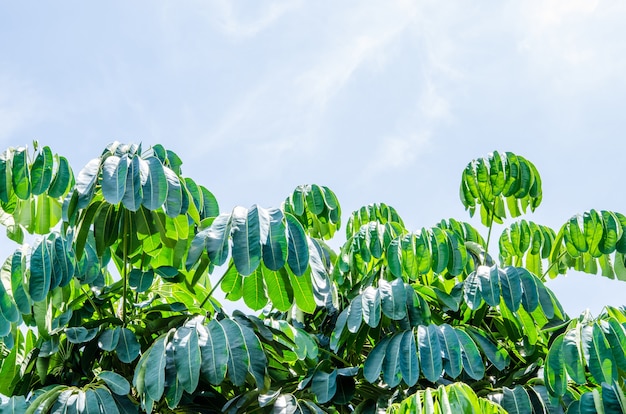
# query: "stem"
x,y
212,290
125,266
558,259
490,228
338,358
91,301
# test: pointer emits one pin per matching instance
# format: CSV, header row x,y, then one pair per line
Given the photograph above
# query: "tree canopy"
x,y
108,304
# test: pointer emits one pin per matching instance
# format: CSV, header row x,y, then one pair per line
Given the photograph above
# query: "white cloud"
x,y
359,36
245,19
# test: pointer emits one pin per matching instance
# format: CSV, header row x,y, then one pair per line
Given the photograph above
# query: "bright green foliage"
x,y
112,309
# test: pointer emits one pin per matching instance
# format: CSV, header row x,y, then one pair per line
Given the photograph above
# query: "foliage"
x,y
111,306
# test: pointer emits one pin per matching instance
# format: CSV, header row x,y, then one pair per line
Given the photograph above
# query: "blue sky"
x,y
380,101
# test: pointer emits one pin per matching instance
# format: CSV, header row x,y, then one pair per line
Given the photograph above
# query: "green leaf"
x,y
451,348
279,288
391,364
489,284
155,369
598,354
62,179
114,176
371,306
217,239
409,362
155,187
355,315
298,249
555,377
573,355
324,385
127,348
496,354
21,179
238,357
214,352
174,199
374,362
80,334
105,401
530,295
516,400
303,292
471,291
429,352
510,284
393,298
40,272
133,194
246,240
108,340
254,295
472,361
41,171
139,280
187,358
275,247
86,182
116,383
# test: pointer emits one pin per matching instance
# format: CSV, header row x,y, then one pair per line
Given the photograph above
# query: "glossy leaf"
x,y
127,348
116,383
246,239
214,352
187,357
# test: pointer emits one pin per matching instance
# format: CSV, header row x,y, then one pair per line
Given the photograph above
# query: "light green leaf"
x,y
279,288
555,377
254,295
303,292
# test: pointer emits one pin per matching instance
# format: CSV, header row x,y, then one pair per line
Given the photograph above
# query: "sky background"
x,y
380,101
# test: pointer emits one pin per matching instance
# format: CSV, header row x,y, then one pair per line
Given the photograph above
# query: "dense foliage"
x,y
111,308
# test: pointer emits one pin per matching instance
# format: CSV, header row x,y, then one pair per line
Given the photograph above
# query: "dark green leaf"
x,y
133,193
430,352
62,179
393,298
324,385
214,352
114,175
275,247
139,280
516,400
127,348
116,383
21,179
298,250
79,335
217,239
174,199
371,306
187,358
238,358
374,362
41,171
155,187
155,369
451,348
109,339
246,239
40,272
409,362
